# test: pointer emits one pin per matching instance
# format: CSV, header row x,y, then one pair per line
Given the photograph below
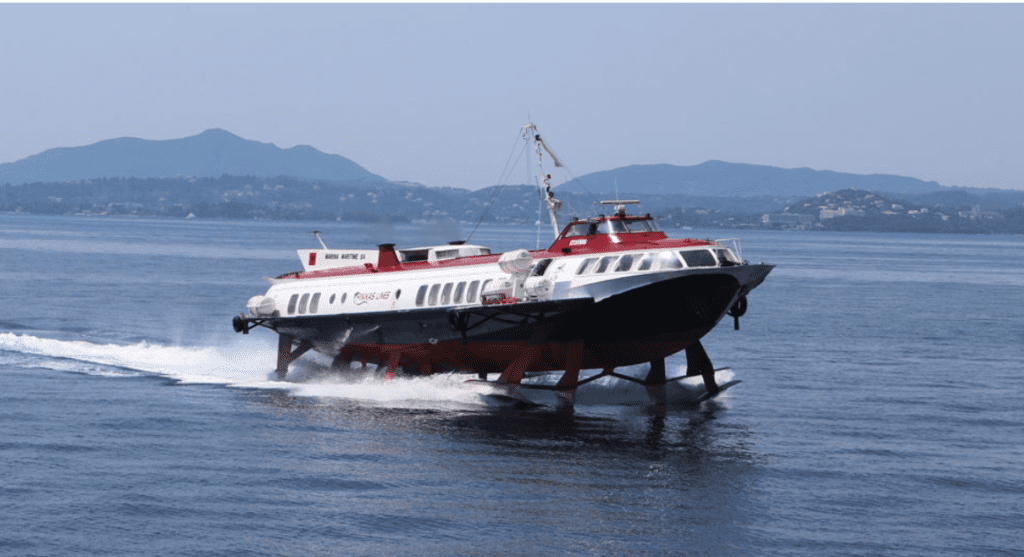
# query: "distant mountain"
x,y
210,154
726,179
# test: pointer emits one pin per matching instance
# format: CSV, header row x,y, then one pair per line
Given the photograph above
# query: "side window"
x,y
421,295
586,264
432,298
698,258
446,294
645,263
302,302
471,293
291,303
538,270
668,260
625,263
727,258
459,289
603,265
314,303
484,286
344,296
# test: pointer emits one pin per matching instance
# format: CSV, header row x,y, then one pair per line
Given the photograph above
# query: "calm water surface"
x,y
881,412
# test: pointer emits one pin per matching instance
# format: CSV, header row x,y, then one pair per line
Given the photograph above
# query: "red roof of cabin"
x,y
565,245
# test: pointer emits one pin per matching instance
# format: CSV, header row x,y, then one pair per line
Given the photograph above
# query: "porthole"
x,y
331,300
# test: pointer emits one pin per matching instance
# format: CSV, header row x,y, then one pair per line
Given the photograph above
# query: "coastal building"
x,y
788,220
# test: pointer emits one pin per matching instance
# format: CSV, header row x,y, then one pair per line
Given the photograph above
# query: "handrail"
x,y
735,245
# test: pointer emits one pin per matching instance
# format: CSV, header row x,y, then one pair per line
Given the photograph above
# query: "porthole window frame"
x,y
699,258
586,265
664,256
628,257
606,262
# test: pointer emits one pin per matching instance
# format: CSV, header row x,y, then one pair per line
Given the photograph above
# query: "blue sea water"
x,y
880,412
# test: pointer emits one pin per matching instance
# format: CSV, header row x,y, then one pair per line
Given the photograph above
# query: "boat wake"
x,y
236,365
247,363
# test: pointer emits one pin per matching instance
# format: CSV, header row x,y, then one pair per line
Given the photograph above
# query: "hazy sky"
x,y
436,94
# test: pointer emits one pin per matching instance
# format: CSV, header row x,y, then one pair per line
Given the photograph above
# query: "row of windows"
x,y
310,303
449,293
463,292
661,261
452,293
443,294
610,227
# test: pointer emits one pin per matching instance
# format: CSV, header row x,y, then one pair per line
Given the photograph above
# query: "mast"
x,y
549,198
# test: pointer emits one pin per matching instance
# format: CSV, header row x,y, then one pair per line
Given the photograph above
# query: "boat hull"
x,y
637,325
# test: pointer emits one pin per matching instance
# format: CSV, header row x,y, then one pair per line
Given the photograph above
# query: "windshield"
x,y
638,225
612,227
576,230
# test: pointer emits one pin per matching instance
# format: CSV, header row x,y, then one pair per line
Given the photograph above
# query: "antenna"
x,y
620,204
552,203
317,234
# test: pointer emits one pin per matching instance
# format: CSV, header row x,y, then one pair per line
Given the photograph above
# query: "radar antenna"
x,y
319,239
620,205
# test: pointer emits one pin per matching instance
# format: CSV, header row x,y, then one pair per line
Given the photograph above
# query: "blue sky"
x,y
436,94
